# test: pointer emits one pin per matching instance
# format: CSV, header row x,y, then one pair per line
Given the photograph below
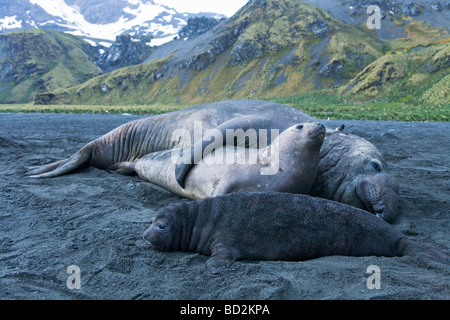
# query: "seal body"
x,y
272,226
288,164
365,186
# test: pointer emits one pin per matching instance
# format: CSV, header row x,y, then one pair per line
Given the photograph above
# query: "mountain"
x,y
41,47
272,49
353,12
35,60
97,21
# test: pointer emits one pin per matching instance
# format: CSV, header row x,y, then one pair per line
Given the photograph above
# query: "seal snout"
x,y
318,130
146,237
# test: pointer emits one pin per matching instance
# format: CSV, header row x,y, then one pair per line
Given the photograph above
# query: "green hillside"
x,y
276,50
36,60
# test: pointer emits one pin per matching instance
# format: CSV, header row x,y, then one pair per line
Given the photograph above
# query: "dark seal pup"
x,y
275,226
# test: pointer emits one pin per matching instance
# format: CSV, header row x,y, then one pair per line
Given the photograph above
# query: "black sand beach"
x,y
95,220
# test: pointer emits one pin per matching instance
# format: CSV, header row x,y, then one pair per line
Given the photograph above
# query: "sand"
x,y
95,220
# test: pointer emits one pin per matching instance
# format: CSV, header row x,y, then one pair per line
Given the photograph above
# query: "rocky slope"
x,y
125,51
276,48
36,61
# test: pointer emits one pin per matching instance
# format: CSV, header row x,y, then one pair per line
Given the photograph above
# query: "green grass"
x,y
30,108
322,105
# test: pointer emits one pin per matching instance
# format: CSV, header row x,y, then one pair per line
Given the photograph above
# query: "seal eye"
x,y
299,127
375,165
162,226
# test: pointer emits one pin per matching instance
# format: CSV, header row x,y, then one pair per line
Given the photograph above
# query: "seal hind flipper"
x,y
35,170
218,265
126,168
58,168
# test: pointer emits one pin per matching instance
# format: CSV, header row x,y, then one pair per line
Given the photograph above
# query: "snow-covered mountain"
x,y
97,21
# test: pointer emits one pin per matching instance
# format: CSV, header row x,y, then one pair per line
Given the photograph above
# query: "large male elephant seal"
x,y
353,171
276,226
137,138
288,164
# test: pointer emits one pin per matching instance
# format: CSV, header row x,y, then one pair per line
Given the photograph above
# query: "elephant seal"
x,y
276,226
353,171
288,164
135,139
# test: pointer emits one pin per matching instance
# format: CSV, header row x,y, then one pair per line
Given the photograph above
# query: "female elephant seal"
x,y
288,164
276,226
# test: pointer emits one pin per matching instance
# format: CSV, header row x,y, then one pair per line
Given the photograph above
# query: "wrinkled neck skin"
x,y
193,232
294,157
375,193
352,171
306,171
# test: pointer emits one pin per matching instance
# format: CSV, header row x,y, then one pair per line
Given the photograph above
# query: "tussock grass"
x,y
322,105
325,105
144,109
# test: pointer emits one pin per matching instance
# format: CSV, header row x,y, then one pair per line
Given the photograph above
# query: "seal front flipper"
x,y
126,168
221,258
232,132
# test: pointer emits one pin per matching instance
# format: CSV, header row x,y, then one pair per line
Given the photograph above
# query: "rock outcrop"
x,y
125,51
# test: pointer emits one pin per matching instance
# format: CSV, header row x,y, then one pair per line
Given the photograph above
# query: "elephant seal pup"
x,y
288,164
276,226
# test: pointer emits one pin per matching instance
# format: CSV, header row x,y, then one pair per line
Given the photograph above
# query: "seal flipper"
x,y
126,168
221,258
185,164
58,168
34,170
423,254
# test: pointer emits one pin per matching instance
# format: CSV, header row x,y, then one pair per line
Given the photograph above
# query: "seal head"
x,y
170,228
160,235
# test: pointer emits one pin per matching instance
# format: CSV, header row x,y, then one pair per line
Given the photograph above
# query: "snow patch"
x,y
140,17
46,22
181,21
105,44
161,41
92,43
133,2
77,24
10,23
168,18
